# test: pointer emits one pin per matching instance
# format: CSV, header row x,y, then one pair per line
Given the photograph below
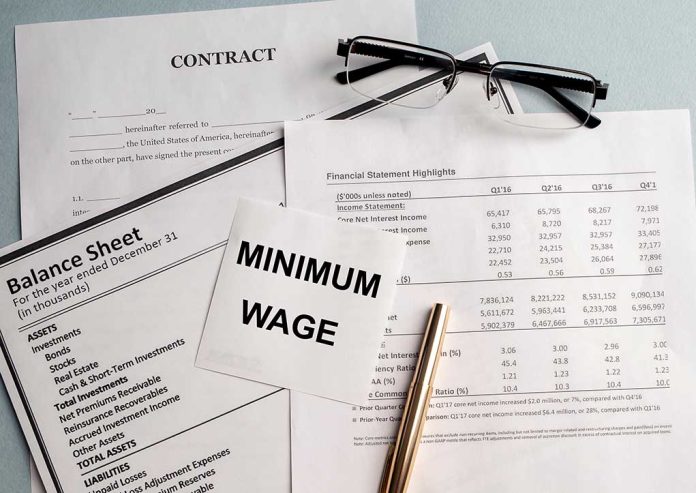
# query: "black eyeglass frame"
x,y
548,83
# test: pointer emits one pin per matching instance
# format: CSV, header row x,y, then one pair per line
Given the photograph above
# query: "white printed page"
x,y
133,100
567,258
101,323
300,300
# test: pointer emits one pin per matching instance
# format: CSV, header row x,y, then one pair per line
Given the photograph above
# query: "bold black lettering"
x,y
349,278
363,287
320,276
91,254
269,256
173,61
43,276
104,248
14,286
255,312
280,319
246,258
202,57
55,270
254,57
287,265
308,331
300,264
321,331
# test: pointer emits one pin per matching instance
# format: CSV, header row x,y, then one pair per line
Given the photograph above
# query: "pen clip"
x,y
386,472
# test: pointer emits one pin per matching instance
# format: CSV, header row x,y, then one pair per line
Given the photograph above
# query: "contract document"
x,y
133,100
567,258
208,193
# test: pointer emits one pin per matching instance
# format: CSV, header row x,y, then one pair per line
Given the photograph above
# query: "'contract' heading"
x,y
191,60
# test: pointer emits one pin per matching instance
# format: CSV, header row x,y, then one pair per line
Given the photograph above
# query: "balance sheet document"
x,y
100,328
567,257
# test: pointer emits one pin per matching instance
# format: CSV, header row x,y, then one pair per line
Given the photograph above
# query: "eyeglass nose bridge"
x,y
491,91
489,88
449,83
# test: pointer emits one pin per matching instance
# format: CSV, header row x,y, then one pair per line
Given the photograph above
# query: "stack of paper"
x,y
565,257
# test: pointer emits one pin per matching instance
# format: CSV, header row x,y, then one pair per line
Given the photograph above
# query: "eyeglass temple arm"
x,y
587,119
393,57
549,82
408,57
363,72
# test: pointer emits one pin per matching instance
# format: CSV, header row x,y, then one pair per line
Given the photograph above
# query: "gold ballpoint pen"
x,y
402,455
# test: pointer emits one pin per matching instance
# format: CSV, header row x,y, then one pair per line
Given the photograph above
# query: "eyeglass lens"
x,y
368,61
542,90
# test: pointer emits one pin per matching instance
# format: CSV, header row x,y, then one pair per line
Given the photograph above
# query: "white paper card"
x,y
301,301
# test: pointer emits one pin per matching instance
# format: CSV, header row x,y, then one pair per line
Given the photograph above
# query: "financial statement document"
x,y
132,100
567,258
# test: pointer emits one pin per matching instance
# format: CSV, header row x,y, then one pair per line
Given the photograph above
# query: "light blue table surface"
x,y
645,49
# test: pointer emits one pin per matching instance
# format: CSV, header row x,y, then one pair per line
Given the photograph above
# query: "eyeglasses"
x,y
539,88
